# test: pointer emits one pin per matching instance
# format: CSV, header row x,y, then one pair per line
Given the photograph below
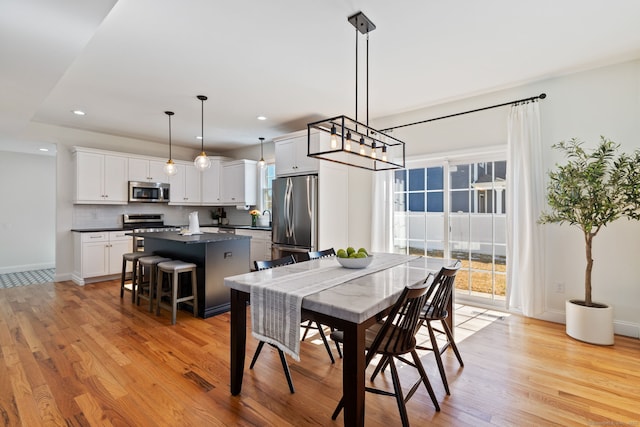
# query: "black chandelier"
x,y
350,142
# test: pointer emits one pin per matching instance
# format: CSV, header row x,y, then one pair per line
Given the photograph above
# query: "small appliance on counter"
x,y
194,225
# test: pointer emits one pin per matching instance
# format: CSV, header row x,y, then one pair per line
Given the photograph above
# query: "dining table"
x,y
338,297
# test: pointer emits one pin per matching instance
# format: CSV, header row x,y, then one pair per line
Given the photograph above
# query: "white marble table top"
x,y
355,300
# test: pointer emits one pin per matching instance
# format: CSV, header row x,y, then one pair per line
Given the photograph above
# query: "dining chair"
x,y
265,265
436,311
311,324
393,338
326,253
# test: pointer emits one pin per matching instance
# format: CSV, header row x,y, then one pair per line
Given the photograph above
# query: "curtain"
x,y
382,216
525,201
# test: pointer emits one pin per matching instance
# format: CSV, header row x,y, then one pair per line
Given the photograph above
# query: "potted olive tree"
x,y
590,191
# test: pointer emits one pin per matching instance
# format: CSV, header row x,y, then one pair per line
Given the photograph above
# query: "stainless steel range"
x,y
144,223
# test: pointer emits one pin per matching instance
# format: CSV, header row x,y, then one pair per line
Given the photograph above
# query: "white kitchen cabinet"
x,y
99,254
238,184
211,184
185,185
291,155
146,170
260,244
100,178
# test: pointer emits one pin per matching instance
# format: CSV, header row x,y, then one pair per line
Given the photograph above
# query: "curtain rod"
x,y
533,98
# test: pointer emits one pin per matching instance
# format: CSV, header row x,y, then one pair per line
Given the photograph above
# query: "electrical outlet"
x,y
560,288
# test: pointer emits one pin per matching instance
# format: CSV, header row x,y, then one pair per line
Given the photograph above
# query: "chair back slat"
x,y
440,292
397,334
321,254
267,264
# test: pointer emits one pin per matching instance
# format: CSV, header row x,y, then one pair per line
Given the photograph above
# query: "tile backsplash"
x,y
110,216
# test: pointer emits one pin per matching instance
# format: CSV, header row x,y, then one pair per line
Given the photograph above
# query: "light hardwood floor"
x,y
81,356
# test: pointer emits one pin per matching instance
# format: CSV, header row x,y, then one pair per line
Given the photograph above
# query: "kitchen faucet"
x,y
265,211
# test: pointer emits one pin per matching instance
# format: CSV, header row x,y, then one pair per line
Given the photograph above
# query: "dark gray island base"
x,y
216,255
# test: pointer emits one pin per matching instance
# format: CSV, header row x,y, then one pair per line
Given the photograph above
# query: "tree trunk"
x,y
587,274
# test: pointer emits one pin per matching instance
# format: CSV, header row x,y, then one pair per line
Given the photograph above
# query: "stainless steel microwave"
x,y
148,192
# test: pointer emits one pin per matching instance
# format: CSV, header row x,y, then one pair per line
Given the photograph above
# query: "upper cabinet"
x,y
211,184
141,169
185,185
100,178
239,182
291,155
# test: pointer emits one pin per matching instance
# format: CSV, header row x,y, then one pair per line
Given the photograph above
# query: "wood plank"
x,y
83,356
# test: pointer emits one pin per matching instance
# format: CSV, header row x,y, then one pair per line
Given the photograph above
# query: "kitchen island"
x,y
217,256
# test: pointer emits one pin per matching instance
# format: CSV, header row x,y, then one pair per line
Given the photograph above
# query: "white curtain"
x,y
525,201
382,216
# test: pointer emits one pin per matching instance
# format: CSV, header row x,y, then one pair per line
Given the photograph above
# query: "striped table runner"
x,y
276,304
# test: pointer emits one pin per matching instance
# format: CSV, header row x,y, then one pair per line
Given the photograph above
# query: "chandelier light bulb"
x,y
384,153
347,145
334,137
362,152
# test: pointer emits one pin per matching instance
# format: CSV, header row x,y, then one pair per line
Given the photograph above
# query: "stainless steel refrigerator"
x,y
295,216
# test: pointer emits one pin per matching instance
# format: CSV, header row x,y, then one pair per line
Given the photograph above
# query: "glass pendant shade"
x,y
170,167
261,162
202,162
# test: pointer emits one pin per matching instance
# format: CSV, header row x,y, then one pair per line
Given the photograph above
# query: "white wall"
x,y
27,216
604,101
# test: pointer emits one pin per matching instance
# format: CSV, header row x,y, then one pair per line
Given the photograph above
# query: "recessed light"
x,y
78,112
198,137
261,118
44,149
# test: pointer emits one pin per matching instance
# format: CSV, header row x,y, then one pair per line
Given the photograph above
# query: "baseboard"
x,y
620,327
27,267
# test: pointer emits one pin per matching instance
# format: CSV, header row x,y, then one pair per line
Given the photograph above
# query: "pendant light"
x,y
202,162
170,167
349,141
261,162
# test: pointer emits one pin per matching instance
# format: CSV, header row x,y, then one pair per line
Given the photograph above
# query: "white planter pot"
x,y
593,325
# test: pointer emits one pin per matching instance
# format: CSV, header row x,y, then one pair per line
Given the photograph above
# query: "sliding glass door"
x,y
456,210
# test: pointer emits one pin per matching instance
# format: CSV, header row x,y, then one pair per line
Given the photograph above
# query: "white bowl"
x,y
355,262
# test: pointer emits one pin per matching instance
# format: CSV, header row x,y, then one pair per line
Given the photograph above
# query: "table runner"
x,y
276,304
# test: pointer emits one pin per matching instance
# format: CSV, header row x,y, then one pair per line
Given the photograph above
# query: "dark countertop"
x,y
174,236
96,230
228,226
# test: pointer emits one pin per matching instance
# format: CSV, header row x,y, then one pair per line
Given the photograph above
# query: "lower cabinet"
x,y
98,254
260,244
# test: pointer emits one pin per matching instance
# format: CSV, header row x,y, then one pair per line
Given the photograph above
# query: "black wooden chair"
x,y
321,254
436,311
272,263
326,253
392,339
265,265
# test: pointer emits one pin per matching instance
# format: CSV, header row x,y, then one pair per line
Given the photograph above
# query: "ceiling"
x,y
126,62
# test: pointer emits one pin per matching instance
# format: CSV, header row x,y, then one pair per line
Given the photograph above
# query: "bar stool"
x,y
147,268
133,258
174,269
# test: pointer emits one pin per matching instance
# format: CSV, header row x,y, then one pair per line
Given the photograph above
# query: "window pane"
x,y
460,176
400,181
435,178
416,202
435,201
416,179
460,201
